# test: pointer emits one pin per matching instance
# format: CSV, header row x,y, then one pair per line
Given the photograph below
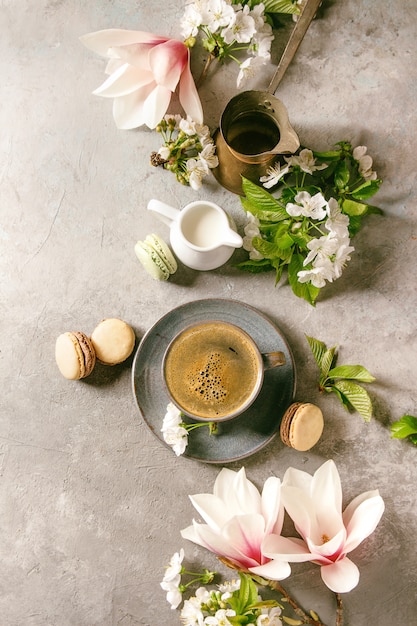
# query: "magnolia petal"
x,y
167,62
326,486
272,510
300,508
245,533
361,517
273,570
340,577
188,95
156,105
211,509
128,110
331,548
286,549
124,81
239,495
101,40
216,543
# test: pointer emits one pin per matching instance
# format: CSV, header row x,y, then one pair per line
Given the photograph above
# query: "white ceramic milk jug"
x,y
202,235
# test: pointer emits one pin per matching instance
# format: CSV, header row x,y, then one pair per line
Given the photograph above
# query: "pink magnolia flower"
x,y
144,71
315,505
238,518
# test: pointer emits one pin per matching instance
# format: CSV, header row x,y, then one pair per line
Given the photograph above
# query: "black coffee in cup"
x,y
213,370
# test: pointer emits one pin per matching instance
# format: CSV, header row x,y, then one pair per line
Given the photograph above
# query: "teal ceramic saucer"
x,y
237,438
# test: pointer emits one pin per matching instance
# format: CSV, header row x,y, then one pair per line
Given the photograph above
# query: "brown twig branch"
x,y
307,619
205,69
339,610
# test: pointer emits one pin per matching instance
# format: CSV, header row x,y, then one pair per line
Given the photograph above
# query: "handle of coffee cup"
x,y
273,359
166,213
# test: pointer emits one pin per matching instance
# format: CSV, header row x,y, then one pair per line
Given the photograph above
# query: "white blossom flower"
x,y
220,15
308,206
273,174
251,230
337,221
323,247
174,595
242,29
202,595
177,438
190,21
305,161
208,155
342,256
228,588
188,126
172,417
196,169
365,162
191,613
174,434
269,617
248,69
173,119
164,152
317,275
261,44
220,618
175,566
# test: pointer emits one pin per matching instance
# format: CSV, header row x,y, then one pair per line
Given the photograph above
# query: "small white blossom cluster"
x,y
209,607
188,150
227,28
173,430
365,162
172,579
328,252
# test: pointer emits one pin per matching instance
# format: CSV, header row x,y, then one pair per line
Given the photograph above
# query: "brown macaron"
x,y
113,340
301,426
74,355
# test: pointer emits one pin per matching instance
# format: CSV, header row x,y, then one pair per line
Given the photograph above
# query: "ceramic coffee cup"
x,y
213,370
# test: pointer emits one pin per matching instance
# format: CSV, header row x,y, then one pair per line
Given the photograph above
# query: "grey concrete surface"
x,y
91,502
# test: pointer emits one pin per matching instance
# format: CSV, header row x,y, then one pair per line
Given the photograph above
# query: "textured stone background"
x,y
91,503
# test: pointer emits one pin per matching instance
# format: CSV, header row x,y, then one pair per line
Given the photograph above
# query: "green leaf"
x,y
280,6
330,155
405,427
366,190
285,241
302,290
254,266
327,362
268,249
357,396
318,349
351,372
261,203
351,207
341,175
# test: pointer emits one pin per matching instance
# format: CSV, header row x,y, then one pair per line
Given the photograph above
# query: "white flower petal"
x,y
361,517
101,40
340,577
286,549
273,570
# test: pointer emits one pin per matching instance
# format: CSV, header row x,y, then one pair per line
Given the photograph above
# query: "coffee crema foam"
x,y
211,369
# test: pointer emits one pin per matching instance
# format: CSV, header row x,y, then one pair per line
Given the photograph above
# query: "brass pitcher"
x,y
254,129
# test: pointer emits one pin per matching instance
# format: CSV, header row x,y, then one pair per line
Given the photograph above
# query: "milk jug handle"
x,y
166,213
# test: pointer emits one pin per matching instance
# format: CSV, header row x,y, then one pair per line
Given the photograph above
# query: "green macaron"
x,y
156,257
